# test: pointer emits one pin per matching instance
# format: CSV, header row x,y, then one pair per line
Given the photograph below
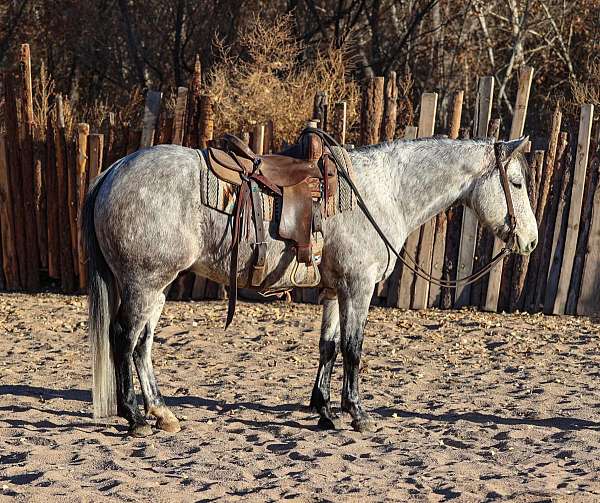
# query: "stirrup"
x,y
315,267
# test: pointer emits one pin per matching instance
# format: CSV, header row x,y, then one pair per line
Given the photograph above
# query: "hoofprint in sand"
x,y
469,406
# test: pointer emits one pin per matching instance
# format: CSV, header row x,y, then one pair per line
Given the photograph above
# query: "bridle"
x,y
406,257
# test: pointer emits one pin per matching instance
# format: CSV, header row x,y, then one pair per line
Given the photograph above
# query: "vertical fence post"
x,y
410,132
583,145
52,201
589,297
549,223
388,127
67,274
151,112
536,269
338,125
193,106
96,142
320,106
179,118
10,263
516,300
426,129
83,131
206,126
371,111
28,179
258,139
516,130
469,220
14,174
457,103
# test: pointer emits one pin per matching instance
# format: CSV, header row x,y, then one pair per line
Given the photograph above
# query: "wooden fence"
x,y
45,172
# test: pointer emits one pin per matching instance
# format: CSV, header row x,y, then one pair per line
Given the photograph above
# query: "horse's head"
x,y
489,200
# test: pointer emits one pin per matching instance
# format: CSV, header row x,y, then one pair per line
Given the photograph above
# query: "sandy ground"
x,y
469,407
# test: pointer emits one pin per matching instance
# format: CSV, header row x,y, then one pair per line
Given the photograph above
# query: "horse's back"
x,y
146,212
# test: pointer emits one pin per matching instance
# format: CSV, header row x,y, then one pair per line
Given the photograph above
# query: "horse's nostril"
x,y
533,244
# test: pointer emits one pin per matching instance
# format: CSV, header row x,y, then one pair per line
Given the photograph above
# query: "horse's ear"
x,y
510,148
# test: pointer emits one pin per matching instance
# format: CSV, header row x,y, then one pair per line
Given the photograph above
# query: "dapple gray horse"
x,y
143,223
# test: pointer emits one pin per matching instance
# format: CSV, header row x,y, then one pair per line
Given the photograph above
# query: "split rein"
x,y
414,266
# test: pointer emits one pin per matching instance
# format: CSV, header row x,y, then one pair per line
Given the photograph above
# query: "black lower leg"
x,y
127,406
320,400
353,324
145,371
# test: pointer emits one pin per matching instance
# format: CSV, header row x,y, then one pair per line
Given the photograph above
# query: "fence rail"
x,y
44,177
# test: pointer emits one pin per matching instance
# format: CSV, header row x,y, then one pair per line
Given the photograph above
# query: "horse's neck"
x,y
414,181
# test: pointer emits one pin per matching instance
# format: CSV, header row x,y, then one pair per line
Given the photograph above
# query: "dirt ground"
x,y
469,407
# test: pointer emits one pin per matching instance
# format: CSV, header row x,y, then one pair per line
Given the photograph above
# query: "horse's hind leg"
x,y
142,357
125,330
328,349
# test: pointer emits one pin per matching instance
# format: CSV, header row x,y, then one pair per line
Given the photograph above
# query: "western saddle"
x,y
301,180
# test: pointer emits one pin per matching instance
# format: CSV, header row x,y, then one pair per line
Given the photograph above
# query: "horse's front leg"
x,y
328,349
354,309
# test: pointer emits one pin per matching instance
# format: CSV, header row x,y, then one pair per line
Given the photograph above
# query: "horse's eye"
x,y
516,185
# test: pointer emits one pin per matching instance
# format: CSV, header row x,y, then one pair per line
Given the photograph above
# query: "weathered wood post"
x,y
10,262
28,179
549,222
52,200
582,251
83,131
206,126
426,128
516,131
516,300
410,132
193,108
320,109
583,145
67,273
588,303
338,124
559,227
96,142
468,237
258,139
535,262
371,111
179,118
388,127
151,113
457,103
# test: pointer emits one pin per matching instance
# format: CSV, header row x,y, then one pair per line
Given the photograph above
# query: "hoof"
x,y
170,426
326,423
363,425
165,419
140,430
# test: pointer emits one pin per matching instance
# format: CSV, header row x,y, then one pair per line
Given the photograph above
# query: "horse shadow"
x,y
561,423
277,412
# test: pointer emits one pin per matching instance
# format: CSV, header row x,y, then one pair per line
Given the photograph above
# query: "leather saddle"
x,y
303,186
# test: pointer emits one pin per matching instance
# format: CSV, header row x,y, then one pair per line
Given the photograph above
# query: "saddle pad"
x,y
221,196
343,198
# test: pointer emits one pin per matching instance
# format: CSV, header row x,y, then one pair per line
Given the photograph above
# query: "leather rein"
x,y
414,266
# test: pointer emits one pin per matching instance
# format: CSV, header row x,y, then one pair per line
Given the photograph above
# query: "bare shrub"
x,y
268,81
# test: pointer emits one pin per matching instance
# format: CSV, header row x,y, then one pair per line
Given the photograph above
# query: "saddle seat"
x,y
281,170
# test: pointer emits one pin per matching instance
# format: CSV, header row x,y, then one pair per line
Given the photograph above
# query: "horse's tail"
x,y
101,302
